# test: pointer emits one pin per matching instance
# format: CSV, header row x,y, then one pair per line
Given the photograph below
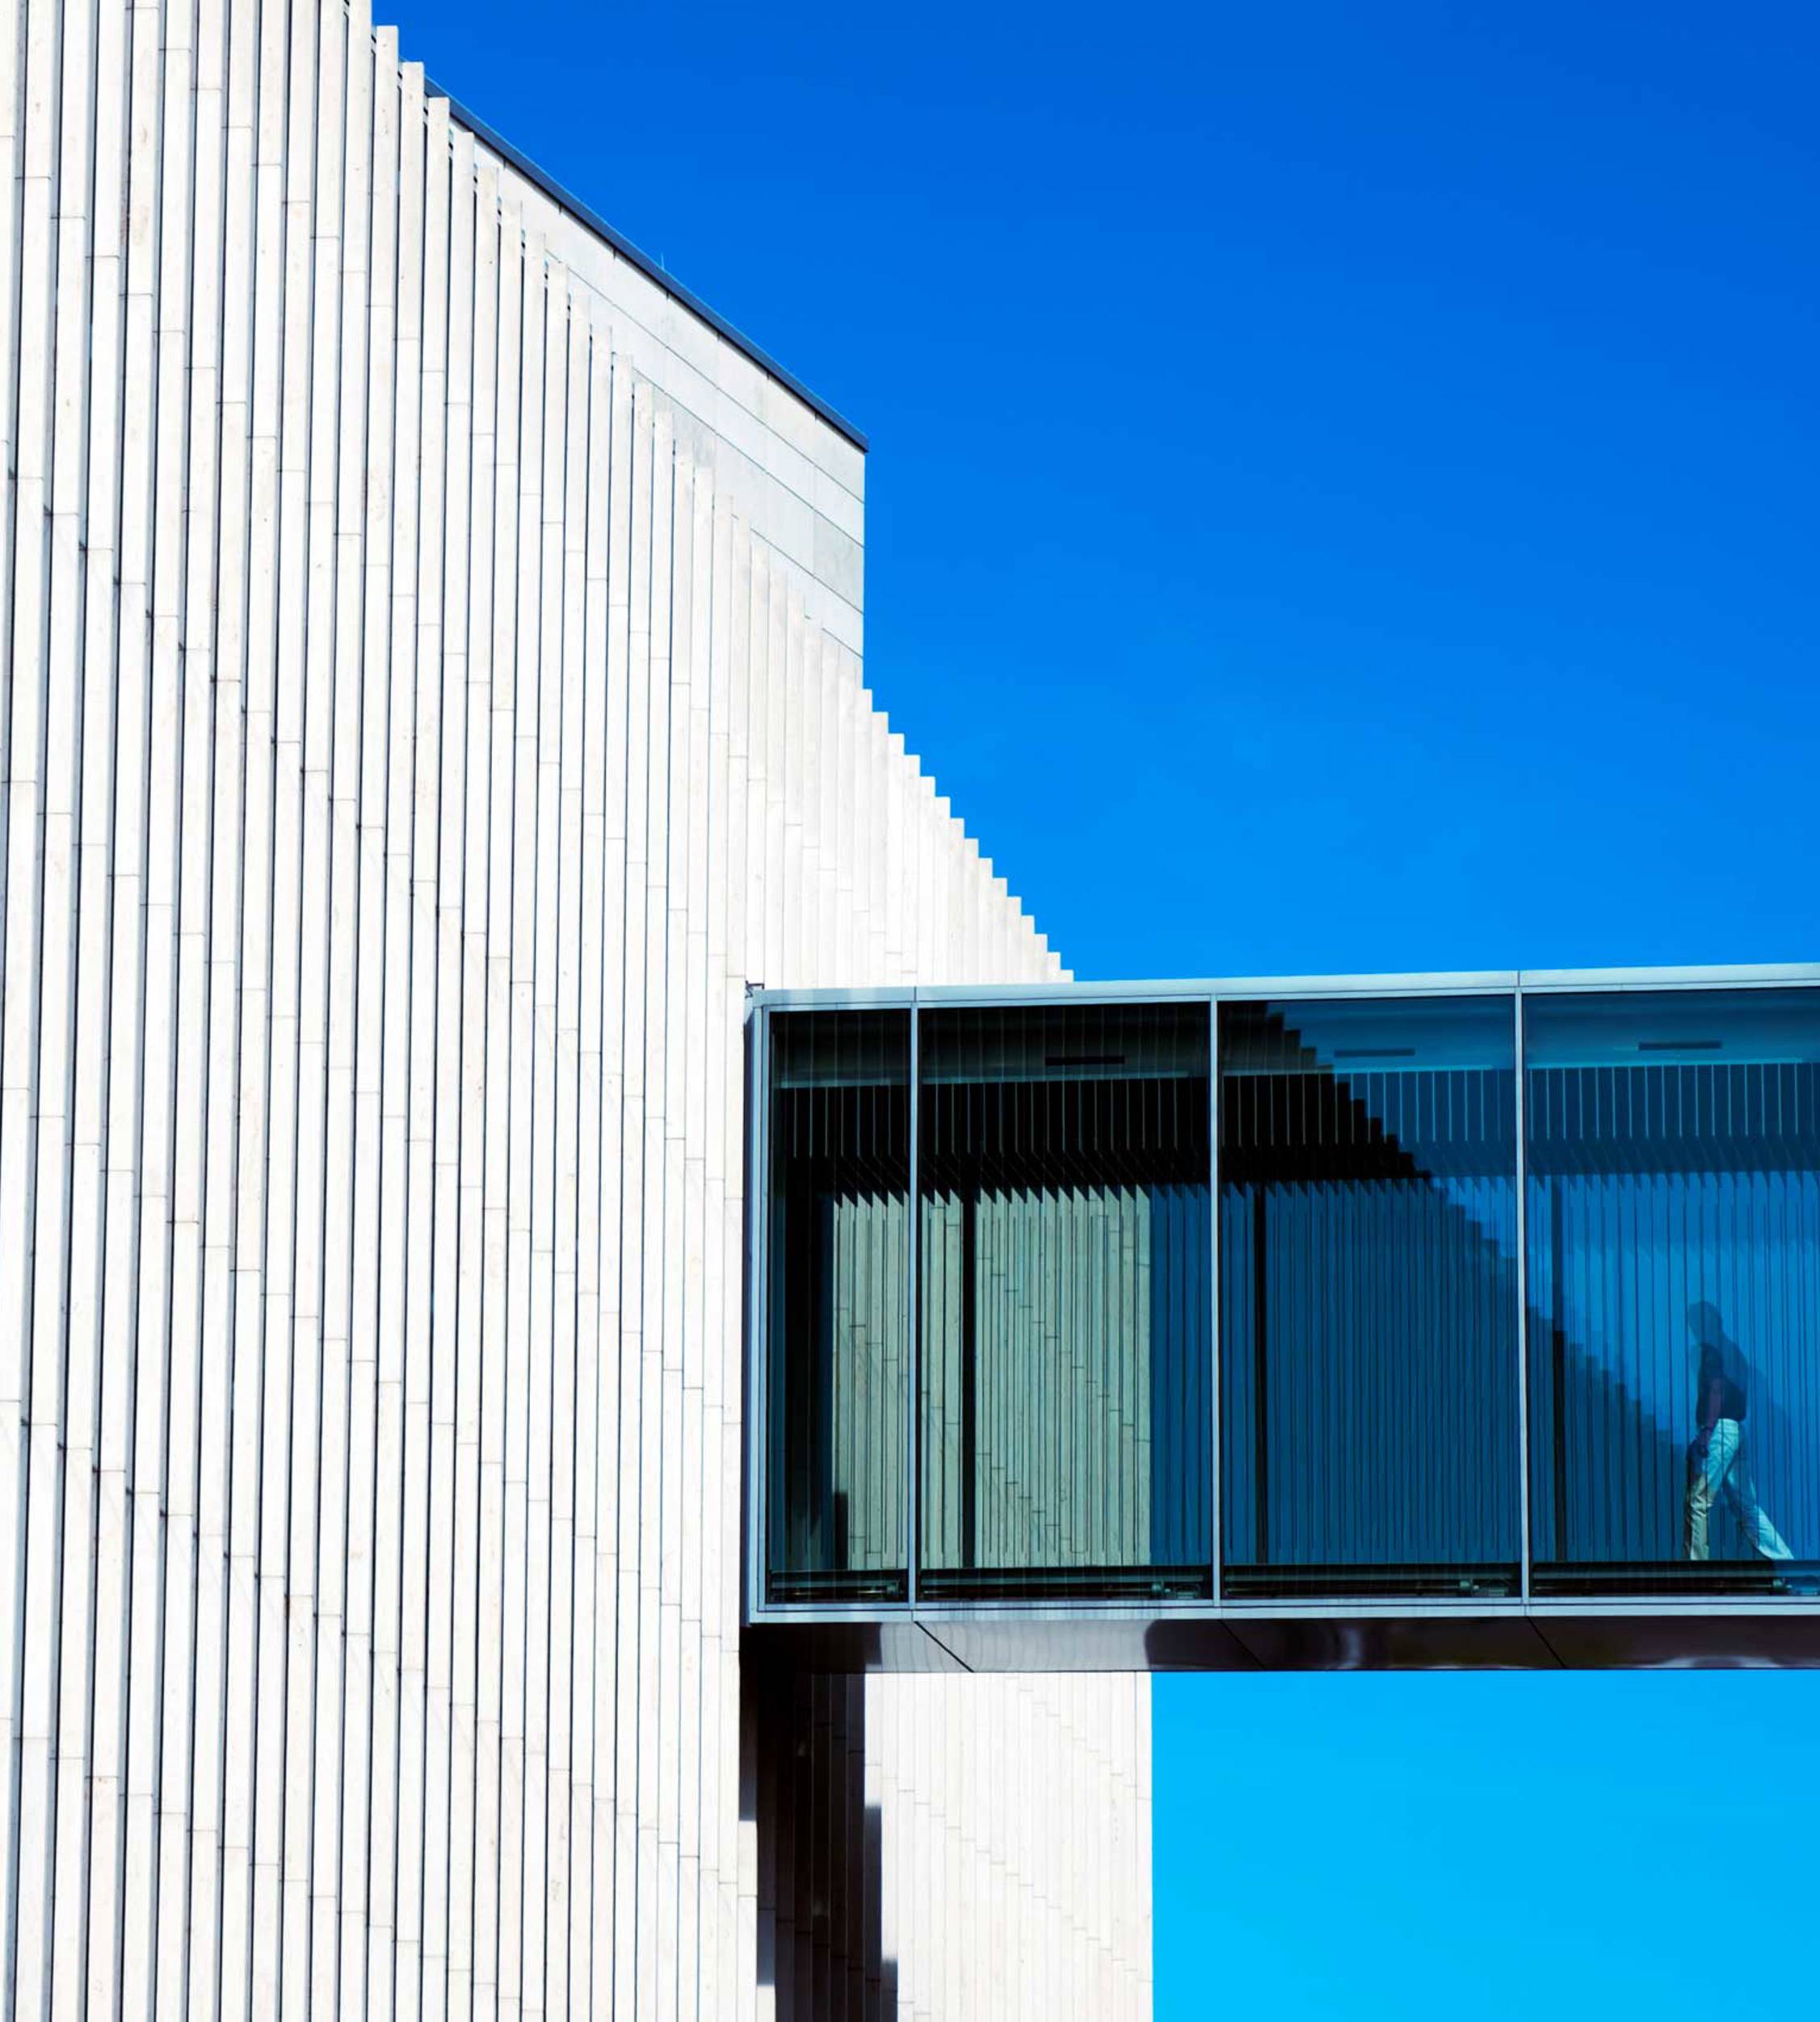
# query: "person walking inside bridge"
x,y
1718,1463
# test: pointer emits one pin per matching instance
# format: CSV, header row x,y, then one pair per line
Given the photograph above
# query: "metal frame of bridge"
x,y
1526,1631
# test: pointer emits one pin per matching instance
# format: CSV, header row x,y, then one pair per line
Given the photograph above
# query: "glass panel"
x,y
1065,1258
1368,1299
838,1295
1673,1236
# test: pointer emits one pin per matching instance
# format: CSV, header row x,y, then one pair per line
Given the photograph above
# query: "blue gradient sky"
x,y
1342,496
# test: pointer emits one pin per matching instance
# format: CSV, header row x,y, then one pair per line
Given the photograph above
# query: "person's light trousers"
x,y
1723,1471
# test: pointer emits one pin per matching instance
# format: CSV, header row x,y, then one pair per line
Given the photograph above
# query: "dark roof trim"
x,y
596,223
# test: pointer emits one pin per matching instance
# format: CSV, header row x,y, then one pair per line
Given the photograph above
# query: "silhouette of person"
x,y
1717,1462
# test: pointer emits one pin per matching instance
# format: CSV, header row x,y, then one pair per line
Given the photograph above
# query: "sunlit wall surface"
x,y
429,688
1369,1296
1455,1335
1064,1274
1674,1245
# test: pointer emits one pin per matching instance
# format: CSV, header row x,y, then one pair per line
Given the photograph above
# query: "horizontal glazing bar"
x,y
1747,976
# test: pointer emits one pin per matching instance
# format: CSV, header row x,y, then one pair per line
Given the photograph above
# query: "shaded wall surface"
x,y
430,694
918,1837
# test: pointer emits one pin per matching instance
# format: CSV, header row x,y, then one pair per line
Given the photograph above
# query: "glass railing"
x,y
1368,1297
837,1279
1065,1257
1453,1333
1673,1216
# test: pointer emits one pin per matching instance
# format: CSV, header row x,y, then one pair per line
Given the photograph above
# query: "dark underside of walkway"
x,y
1784,1634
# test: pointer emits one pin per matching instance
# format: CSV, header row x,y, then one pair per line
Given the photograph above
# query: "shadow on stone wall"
x,y
803,1783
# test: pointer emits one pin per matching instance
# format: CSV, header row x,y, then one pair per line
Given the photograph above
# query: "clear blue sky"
x,y
1342,496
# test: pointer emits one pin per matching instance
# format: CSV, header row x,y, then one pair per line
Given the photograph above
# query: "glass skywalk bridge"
x,y
1362,1321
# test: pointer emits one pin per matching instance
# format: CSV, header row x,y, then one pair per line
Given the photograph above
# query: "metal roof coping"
x,y
595,223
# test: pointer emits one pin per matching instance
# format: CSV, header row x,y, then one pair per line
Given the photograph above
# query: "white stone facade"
x,y
431,692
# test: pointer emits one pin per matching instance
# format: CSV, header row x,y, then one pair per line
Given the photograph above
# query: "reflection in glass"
x,y
838,1295
1367,1296
1065,1256
1673,1238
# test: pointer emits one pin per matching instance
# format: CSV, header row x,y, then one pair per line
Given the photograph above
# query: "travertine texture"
x,y
430,694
